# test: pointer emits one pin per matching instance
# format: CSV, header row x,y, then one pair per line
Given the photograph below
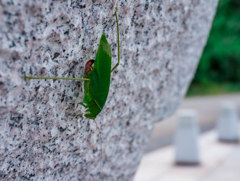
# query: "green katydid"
x,y
97,77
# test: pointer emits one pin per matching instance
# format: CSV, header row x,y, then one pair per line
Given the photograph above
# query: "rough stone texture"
x,y
161,42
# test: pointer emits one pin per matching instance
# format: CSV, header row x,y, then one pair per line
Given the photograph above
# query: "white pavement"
x,y
219,162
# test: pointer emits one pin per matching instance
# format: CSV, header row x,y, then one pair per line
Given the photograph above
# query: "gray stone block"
x,y
161,43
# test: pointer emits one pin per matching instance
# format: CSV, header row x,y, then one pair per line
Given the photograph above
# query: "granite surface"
x,y
40,139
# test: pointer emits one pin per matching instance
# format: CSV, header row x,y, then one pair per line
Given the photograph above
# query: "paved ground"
x,y
207,108
219,162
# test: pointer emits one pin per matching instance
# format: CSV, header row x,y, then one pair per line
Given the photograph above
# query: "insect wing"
x,y
100,77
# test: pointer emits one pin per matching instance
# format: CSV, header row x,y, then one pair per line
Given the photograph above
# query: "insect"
x,y
96,79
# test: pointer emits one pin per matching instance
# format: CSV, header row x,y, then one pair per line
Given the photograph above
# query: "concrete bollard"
x,y
227,124
186,139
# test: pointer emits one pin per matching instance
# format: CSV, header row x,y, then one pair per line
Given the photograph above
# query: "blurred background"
x,y
214,95
219,68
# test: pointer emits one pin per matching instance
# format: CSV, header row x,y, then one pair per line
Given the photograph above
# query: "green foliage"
x,y
96,89
220,61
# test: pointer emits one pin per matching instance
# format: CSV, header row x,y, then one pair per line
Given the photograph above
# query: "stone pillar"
x,y
186,139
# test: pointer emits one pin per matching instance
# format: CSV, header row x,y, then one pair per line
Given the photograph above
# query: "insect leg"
x,y
77,116
81,103
63,78
117,42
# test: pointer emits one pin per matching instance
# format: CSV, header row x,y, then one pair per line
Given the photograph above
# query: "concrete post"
x,y
186,140
227,125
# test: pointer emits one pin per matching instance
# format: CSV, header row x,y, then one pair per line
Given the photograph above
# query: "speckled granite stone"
x,y
161,42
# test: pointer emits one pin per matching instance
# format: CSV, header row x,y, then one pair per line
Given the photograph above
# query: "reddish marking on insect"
x,y
88,66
